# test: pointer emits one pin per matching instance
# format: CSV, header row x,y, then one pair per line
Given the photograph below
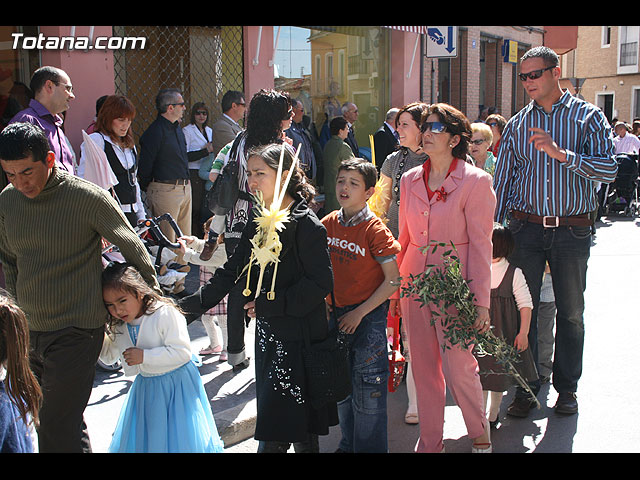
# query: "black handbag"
x,y
326,363
225,191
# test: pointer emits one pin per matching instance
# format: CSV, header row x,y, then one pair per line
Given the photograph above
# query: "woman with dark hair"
x,y
112,133
267,112
446,200
292,295
198,136
409,155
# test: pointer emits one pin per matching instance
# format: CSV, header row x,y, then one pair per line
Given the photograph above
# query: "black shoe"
x,y
567,403
241,366
520,407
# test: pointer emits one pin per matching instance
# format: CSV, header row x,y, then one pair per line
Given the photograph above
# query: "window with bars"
x,y
203,62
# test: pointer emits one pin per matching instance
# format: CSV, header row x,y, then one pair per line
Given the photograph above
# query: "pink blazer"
x,y
465,218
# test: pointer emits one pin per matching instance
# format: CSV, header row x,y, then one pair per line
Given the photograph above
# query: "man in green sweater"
x,y
51,229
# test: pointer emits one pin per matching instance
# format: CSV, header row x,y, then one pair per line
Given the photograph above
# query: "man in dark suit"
x,y
385,140
350,114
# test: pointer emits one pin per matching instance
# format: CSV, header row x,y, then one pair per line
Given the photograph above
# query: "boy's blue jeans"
x,y
363,414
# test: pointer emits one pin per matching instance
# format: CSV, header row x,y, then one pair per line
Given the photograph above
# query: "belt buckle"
x,y
556,220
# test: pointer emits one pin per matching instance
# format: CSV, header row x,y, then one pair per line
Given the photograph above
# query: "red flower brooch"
x,y
441,194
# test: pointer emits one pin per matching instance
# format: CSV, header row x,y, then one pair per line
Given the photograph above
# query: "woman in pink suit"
x,y
446,200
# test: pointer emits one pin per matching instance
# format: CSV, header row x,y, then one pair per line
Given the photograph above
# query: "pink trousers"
x,y
434,370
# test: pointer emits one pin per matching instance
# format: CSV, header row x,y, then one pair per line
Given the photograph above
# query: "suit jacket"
x,y
384,143
351,141
465,218
224,131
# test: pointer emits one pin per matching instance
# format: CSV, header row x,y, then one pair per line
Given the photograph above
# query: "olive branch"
x,y
444,290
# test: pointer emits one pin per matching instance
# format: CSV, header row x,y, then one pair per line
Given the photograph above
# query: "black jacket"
x,y
163,153
385,143
303,280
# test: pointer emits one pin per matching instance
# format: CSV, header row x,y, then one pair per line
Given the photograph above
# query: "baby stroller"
x,y
621,196
159,249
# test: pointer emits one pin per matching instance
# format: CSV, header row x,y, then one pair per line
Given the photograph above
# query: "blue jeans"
x,y
363,414
567,251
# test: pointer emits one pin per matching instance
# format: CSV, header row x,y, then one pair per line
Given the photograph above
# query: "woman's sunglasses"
x,y
433,127
533,75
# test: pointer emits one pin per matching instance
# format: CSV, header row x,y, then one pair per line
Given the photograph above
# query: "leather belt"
x,y
177,181
549,221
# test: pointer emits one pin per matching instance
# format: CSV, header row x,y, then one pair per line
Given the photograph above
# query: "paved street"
x,y
608,392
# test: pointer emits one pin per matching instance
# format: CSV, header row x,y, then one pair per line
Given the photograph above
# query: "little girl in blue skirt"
x,y
167,409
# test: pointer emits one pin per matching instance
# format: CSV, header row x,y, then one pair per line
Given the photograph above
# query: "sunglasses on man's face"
x,y
533,75
433,127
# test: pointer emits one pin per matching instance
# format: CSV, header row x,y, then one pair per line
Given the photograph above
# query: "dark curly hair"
x,y
267,110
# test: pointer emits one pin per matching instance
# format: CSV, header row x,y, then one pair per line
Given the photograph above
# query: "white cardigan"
x,y
163,336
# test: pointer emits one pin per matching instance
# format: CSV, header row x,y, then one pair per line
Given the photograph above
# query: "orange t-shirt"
x,y
356,272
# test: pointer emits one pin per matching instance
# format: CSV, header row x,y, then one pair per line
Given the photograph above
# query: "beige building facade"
x,y
605,69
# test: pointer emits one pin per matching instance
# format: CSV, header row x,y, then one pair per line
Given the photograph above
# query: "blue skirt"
x,y
167,413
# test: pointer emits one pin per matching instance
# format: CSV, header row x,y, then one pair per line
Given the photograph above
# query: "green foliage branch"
x,y
443,289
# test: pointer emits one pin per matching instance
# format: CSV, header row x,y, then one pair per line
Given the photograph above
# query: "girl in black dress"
x,y
302,281
510,312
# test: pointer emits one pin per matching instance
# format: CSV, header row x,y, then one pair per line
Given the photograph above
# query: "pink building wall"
x,y
258,53
92,71
405,88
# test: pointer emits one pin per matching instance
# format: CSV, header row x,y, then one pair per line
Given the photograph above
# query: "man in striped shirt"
x,y
553,154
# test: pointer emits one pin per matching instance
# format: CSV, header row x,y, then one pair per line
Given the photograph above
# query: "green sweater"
x,y
50,250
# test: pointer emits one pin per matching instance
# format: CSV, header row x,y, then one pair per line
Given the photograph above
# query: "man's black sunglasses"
x,y
534,74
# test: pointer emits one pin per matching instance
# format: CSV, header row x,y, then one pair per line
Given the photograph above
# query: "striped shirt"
x,y
530,181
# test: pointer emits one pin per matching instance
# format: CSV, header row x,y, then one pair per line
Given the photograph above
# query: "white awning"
x,y
409,29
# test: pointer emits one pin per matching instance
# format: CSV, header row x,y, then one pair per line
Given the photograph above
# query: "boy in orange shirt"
x,y
363,255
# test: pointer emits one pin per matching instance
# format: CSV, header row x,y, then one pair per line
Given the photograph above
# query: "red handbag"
x,y
396,359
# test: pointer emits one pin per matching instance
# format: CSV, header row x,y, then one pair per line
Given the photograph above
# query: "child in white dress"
x,y
166,409
214,319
